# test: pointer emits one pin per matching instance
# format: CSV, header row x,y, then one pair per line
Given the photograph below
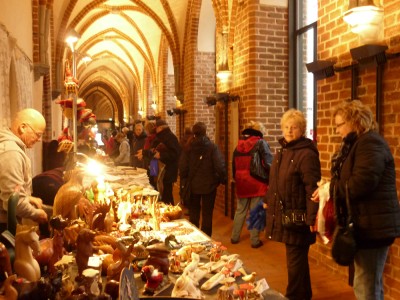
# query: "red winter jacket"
x,y
246,185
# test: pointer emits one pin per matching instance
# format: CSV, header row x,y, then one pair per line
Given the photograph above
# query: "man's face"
x,y
31,133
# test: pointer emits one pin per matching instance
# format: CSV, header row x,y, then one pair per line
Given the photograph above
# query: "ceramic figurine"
x,y
27,244
185,287
158,257
84,249
154,279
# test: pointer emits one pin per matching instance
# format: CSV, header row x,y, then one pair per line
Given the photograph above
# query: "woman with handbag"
x,y
364,168
291,215
202,167
250,188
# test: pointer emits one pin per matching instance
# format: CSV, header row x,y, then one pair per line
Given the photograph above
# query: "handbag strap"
x,y
349,220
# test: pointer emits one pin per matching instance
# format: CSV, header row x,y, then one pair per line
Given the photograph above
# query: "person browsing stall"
x,y
291,214
26,130
365,163
250,191
202,166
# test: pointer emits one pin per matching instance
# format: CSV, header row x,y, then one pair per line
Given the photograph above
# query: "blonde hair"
x,y
357,114
297,116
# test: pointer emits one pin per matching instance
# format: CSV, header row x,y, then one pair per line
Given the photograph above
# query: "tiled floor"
x,y
269,261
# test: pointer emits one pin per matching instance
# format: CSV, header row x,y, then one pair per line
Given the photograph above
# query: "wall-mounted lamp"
x,y
154,106
224,75
151,118
321,69
221,97
178,99
170,112
141,112
365,19
370,54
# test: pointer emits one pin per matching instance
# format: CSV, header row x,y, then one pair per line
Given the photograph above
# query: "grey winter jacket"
x,y
15,168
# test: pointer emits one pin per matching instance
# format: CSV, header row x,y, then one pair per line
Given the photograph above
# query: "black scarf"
x,y
339,157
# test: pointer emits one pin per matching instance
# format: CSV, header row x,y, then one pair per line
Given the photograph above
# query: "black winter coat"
x,y
293,178
136,145
170,153
370,171
210,171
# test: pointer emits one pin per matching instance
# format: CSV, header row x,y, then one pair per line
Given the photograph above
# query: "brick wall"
x,y
334,43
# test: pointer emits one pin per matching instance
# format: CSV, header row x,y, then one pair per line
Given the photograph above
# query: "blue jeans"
x,y
243,205
368,270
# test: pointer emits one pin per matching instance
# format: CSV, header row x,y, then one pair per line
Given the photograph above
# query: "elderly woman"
x,y
123,158
365,162
291,213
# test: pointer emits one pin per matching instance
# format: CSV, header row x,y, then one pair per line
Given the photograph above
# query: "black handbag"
x,y
294,219
257,169
344,247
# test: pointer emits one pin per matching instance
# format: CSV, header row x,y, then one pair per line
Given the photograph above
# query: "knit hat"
x,y
160,122
254,129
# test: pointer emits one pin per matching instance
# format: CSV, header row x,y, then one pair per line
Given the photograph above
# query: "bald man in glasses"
x,y
26,130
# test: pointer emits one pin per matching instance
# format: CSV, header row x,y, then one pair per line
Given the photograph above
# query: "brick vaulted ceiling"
x,y
123,38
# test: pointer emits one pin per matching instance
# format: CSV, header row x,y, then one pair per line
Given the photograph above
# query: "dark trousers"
x,y
166,195
203,203
299,282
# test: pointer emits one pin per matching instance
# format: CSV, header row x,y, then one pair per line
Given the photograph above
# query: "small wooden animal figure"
x,y
68,196
10,293
114,270
5,263
27,244
84,249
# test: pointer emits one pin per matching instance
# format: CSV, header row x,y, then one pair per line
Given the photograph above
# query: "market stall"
x,y
112,238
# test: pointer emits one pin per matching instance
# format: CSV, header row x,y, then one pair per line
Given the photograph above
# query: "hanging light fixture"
x,y
365,19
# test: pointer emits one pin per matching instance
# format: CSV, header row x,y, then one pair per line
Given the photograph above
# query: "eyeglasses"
x,y
340,125
38,134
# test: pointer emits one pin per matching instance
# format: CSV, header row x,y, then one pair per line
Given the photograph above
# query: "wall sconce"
x,y
369,54
321,69
221,97
170,112
141,112
154,106
365,19
178,99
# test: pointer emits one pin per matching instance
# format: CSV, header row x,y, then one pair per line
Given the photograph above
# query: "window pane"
x,y
307,12
305,79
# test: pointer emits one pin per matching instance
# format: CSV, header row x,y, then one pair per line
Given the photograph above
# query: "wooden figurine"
x,y
25,265
84,249
5,263
10,293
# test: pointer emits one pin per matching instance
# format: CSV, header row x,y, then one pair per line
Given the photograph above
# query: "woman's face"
x,y
342,127
291,130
